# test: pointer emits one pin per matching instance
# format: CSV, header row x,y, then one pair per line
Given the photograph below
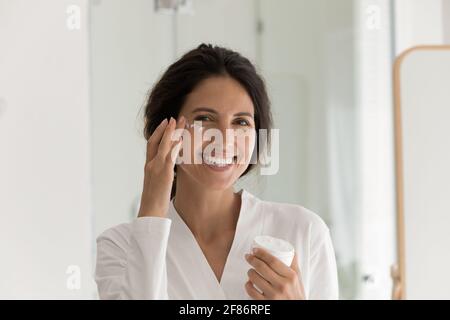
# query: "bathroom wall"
x,y
419,23
45,221
446,20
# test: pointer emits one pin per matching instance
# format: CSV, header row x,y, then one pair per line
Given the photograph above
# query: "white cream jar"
x,y
279,248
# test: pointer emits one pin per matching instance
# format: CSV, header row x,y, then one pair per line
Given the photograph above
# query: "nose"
x,y
229,141
223,150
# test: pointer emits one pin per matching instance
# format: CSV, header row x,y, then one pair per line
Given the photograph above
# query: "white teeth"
x,y
218,161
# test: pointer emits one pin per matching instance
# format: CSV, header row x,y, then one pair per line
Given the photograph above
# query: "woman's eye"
x,y
242,122
202,118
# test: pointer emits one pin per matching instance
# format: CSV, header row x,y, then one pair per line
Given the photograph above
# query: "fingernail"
x,y
254,250
247,256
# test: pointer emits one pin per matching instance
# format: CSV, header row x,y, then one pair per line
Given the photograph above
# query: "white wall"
x,y
230,23
419,22
45,221
446,20
375,136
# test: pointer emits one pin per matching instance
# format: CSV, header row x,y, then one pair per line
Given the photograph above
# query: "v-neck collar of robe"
x,y
191,255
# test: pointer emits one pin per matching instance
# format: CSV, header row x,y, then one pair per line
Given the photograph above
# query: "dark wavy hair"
x,y
169,93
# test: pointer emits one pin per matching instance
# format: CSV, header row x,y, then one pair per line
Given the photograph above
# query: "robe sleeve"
x,y
323,278
133,266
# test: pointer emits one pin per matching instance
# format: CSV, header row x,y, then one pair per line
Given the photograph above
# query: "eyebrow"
x,y
203,109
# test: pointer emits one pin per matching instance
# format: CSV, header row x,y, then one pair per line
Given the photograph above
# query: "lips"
x,y
218,162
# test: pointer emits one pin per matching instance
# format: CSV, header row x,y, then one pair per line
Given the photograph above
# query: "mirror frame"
x,y
398,274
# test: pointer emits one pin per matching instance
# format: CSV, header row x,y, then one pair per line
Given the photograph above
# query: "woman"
x,y
192,237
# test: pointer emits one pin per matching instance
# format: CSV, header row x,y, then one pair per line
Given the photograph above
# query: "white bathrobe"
x,y
159,258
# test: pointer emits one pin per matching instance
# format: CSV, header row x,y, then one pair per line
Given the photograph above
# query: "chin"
x,y
215,177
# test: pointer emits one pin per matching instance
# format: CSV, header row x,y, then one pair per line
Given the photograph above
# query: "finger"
x,y
166,142
252,292
176,137
298,273
274,263
153,141
172,135
179,129
260,282
294,265
263,269
175,152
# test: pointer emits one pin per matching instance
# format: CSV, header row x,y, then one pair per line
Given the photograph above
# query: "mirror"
x,y
74,76
422,101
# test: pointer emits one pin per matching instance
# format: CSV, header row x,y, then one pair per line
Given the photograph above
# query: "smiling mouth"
x,y
217,162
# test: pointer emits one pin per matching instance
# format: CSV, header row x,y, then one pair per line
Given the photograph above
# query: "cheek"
x,y
194,147
246,147
249,147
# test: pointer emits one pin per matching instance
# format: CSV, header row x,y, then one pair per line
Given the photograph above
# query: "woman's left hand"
x,y
271,276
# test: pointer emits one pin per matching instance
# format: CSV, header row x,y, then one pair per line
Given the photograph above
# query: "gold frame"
x,y
398,271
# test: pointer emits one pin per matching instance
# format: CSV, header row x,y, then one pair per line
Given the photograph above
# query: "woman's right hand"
x,y
159,169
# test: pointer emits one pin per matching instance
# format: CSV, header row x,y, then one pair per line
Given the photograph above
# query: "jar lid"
x,y
273,244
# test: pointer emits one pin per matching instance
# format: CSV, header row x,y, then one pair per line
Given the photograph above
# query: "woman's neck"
x,y
208,213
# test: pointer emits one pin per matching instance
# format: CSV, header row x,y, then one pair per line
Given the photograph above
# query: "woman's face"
x,y
226,136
